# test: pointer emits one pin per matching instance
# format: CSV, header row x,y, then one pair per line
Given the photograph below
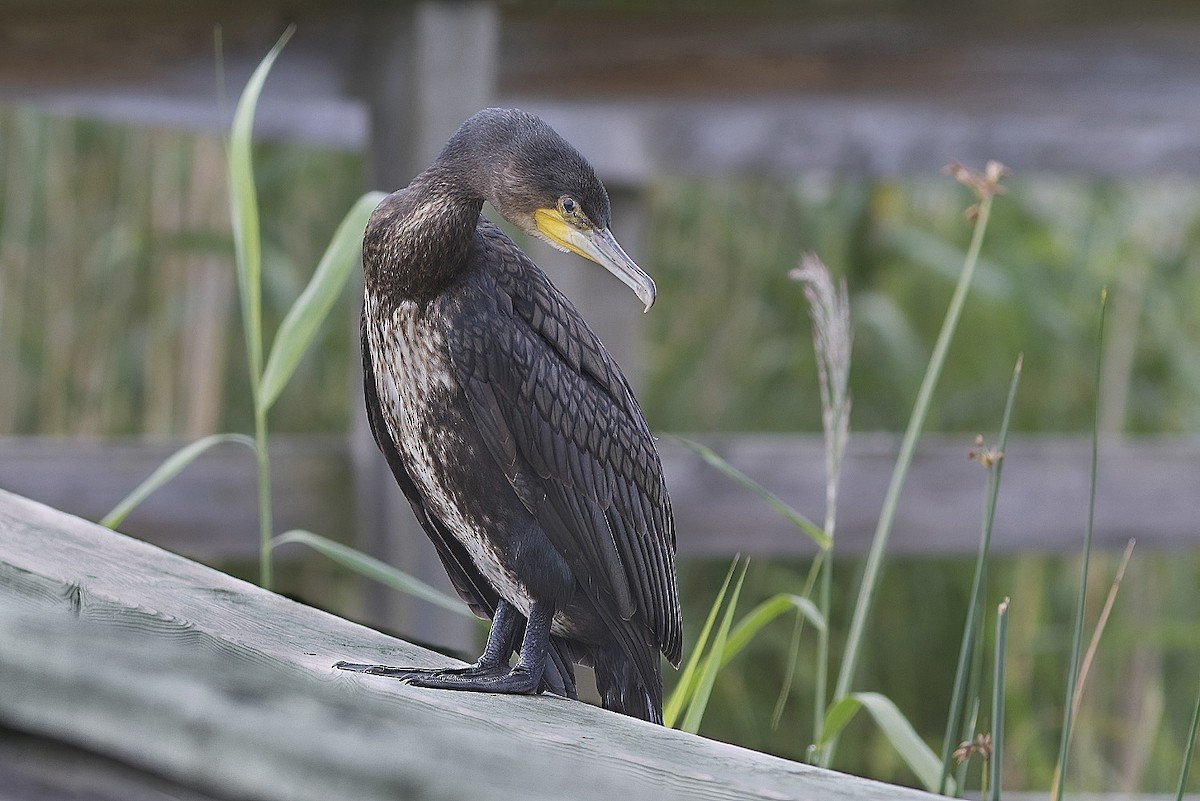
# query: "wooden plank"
x,y
33,767
145,658
1147,489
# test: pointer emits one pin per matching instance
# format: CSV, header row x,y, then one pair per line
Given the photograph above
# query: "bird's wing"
x,y
558,416
471,586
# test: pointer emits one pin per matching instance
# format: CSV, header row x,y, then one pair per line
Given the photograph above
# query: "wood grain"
x,y
150,660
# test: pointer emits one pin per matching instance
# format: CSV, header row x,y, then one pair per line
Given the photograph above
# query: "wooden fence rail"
x,y
1148,489
148,675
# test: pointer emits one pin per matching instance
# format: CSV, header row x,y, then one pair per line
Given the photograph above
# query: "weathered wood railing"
x,y
127,670
1147,489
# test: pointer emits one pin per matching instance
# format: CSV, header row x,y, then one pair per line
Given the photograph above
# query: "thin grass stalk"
x,y
916,423
814,571
1077,637
998,702
972,626
1089,656
789,672
821,679
969,725
1188,751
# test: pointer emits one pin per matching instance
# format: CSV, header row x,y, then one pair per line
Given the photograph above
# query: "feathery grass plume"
x,y
829,309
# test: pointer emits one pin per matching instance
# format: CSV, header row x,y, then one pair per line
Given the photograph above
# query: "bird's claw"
x,y
493,679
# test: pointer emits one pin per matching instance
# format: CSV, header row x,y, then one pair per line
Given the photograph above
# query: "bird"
x,y
511,430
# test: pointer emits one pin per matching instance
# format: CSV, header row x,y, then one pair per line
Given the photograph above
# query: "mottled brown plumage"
x,y
508,426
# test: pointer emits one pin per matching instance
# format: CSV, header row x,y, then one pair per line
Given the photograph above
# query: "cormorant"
x,y
510,429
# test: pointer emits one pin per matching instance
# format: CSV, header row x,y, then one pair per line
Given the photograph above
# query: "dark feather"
x,y
475,591
540,383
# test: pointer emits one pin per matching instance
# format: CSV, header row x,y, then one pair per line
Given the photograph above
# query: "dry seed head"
x,y
988,457
829,308
984,184
981,745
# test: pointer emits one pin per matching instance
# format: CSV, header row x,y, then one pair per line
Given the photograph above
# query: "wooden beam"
x,y
209,512
1065,87
145,659
1146,489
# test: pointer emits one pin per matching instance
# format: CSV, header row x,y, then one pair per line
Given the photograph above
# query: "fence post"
x,y
428,66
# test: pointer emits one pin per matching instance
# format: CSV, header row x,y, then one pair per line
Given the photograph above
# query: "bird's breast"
x,y
428,420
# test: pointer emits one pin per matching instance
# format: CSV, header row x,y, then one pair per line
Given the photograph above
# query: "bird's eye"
x,y
568,206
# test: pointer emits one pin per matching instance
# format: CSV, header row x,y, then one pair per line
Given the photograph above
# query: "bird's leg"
x,y
491,673
524,678
494,660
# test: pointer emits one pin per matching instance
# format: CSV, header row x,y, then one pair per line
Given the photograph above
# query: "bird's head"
x,y
542,185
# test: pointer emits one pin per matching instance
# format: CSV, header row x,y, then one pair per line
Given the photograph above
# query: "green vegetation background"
x,y
118,316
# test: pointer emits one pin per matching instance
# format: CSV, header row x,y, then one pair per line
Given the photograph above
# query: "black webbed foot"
x,y
491,674
409,674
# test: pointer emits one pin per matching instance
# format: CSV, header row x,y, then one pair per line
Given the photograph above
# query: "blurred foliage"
x,y
118,309
729,348
1136,708
118,315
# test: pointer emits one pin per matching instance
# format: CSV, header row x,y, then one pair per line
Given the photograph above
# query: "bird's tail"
x,y
623,688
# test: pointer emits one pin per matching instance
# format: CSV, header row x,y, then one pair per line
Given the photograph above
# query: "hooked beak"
x,y
598,245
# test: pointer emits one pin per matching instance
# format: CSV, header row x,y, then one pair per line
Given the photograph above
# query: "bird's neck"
x,y
417,240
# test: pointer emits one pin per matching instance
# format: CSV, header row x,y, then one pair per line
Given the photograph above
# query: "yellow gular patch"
x,y
552,225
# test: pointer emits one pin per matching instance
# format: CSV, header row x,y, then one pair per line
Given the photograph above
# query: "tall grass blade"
x,y
1077,638
1188,752
998,702
919,757
764,613
166,471
687,678
302,321
972,627
713,661
243,202
776,503
916,423
247,239
371,568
